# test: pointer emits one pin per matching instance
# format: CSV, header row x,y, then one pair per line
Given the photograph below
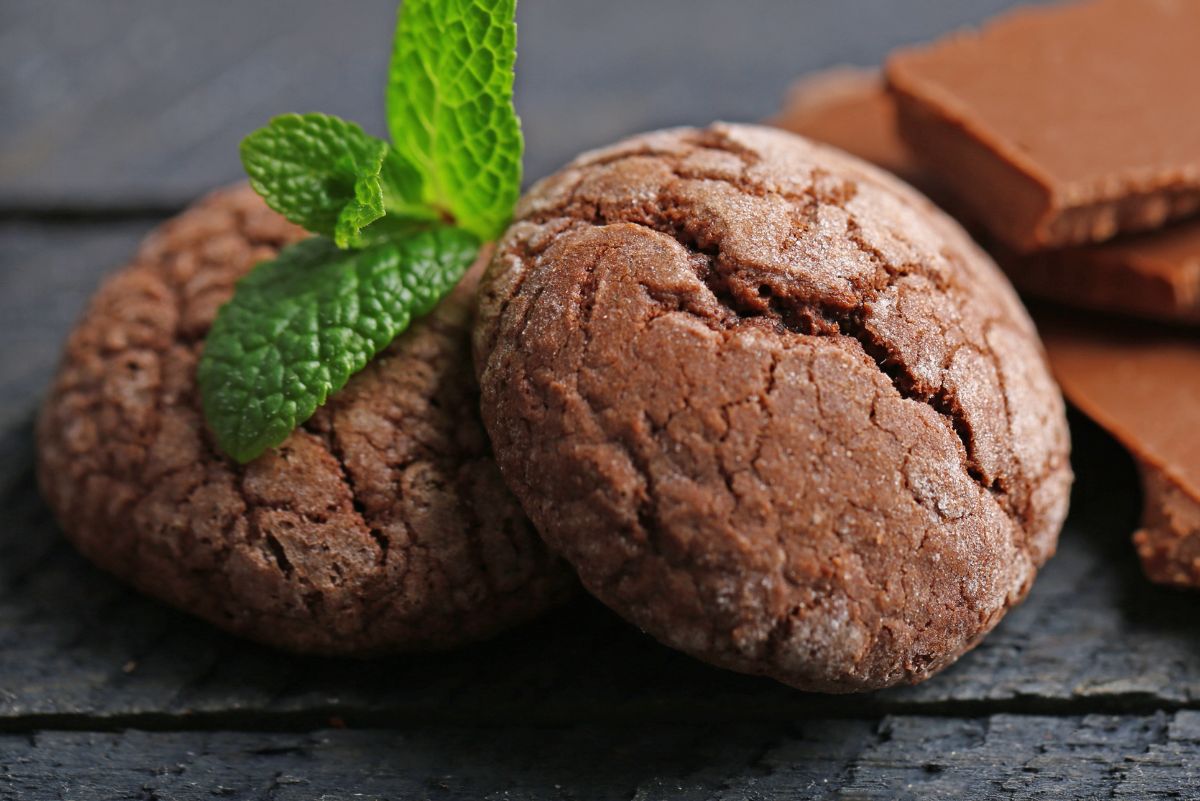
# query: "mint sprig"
x,y
397,224
449,107
320,172
301,325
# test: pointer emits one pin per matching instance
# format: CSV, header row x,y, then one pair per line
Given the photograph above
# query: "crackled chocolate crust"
x,y
382,524
773,406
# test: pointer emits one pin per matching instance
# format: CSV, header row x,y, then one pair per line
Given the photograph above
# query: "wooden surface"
x,y
1142,757
112,114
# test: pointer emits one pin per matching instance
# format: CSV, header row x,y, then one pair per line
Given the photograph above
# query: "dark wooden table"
x,y
114,114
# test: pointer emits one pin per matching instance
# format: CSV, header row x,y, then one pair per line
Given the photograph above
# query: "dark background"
x,y
116,113
141,103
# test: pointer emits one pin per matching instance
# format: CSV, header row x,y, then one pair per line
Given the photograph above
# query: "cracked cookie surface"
x,y
776,409
381,524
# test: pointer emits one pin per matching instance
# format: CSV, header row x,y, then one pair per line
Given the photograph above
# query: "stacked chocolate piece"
x,y
1064,138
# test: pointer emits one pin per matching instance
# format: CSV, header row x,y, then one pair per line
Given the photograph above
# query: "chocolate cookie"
x,y
775,407
381,524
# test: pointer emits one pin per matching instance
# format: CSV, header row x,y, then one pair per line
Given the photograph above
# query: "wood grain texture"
x,y
141,103
901,757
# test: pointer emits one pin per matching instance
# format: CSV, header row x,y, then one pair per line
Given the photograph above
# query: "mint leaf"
x,y
402,189
325,174
299,326
450,111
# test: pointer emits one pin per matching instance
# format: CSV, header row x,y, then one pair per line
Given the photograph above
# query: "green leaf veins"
x,y
450,110
298,327
320,172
